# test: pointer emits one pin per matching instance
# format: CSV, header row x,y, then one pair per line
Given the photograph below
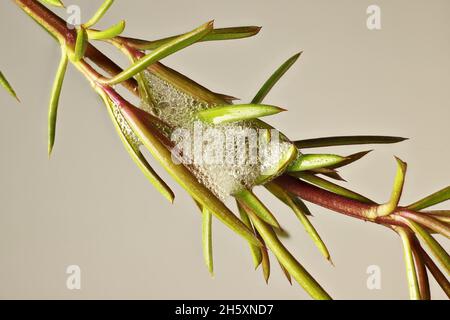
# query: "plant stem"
x,y
437,274
332,201
58,28
421,269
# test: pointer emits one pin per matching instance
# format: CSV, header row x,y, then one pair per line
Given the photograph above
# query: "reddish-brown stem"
x,y
437,274
421,270
427,221
332,201
59,28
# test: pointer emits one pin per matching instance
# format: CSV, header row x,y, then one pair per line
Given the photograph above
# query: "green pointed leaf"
x,y
299,202
346,140
441,279
248,199
298,272
437,250
314,161
392,204
270,83
330,173
99,13
207,239
162,52
139,158
238,112
109,33
351,159
80,44
330,186
265,263
255,250
431,200
214,35
285,272
232,33
302,216
54,99
413,284
143,125
281,194
5,84
56,3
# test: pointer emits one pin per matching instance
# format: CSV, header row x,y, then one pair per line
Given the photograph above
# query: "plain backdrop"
x,y
90,206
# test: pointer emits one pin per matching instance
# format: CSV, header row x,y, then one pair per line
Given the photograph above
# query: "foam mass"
x,y
225,174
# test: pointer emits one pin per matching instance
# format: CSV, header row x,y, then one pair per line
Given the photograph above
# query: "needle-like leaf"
x,y
216,34
351,159
232,33
437,250
346,140
314,161
109,33
281,197
441,279
276,76
144,127
285,272
391,205
265,264
207,239
233,113
413,284
161,52
54,98
301,215
56,3
249,200
287,260
255,250
330,186
431,200
80,44
5,84
330,173
139,158
99,13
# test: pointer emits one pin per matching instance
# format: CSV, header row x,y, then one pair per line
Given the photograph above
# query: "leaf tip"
x,y
401,164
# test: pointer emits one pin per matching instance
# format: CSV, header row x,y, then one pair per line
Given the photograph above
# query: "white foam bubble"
x,y
125,128
178,108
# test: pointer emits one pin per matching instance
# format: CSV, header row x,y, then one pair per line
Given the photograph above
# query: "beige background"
x,y
90,206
